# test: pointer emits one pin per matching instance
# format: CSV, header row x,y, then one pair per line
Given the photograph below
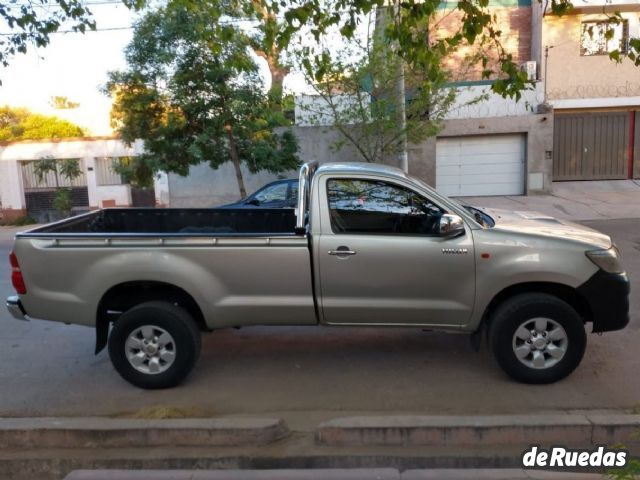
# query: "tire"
x,y
172,345
554,351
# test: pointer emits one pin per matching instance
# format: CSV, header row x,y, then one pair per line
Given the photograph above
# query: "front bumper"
x,y
608,297
16,309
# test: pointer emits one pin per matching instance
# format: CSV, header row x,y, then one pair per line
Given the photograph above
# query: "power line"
x,y
56,5
4,34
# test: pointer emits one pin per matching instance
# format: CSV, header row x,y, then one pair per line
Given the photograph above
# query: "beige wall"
x,y
571,75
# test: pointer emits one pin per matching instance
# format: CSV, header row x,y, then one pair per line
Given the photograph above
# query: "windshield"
x,y
480,216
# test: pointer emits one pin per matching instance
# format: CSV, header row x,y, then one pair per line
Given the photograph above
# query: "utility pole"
x,y
403,157
546,61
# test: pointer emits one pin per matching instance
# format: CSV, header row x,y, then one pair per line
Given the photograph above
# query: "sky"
x,y
75,65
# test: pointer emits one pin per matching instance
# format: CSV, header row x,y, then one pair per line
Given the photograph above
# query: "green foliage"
x,y
62,103
631,471
410,28
135,171
68,168
365,74
32,23
43,167
21,124
193,93
62,202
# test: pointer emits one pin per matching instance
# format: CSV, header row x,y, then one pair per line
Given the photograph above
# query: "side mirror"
x,y
451,226
254,201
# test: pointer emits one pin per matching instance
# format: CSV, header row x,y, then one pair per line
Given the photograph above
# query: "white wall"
x,y
11,193
467,104
206,187
11,188
476,101
161,188
313,110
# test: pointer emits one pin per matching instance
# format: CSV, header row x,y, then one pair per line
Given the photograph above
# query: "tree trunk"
x,y
278,73
271,53
235,159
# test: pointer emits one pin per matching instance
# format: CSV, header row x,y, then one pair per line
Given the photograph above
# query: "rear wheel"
x,y
537,338
154,345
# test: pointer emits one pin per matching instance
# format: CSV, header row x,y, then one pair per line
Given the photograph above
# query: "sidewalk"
x,y
332,474
435,447
577,201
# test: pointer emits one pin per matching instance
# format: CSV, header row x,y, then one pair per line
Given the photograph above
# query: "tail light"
x,y
16,275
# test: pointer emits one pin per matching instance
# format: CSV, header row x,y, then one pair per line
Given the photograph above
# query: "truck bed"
x,y
173,222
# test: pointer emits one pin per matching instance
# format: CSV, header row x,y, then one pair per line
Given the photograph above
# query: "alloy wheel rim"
x,y
150,349
540,343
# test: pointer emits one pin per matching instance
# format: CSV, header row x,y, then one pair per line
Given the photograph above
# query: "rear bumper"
x,y
16,309
608,297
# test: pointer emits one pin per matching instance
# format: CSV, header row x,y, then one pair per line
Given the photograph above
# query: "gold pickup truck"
x,y
367,245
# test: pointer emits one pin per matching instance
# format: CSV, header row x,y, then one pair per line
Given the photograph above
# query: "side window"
x,y
274,193
377,207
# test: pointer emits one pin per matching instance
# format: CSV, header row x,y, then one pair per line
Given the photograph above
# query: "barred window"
x,y
105,172
604,37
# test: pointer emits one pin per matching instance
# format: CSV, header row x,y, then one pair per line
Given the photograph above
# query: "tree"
x,y
32,23
21,124
62,103
193,93
358,91
410,27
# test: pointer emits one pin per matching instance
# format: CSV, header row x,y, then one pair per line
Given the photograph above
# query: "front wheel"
x,y
537,338
154,345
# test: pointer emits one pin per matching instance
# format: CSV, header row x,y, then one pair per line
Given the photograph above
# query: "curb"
x,y
331,474
320,474
452,431
89,432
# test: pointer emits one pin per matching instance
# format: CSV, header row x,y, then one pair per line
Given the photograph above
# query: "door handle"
x,y
342,251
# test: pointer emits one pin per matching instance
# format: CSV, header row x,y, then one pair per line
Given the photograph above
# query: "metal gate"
x,y
40,195
591,146
143,197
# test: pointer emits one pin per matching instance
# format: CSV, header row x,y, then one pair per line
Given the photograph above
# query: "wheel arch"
x,y
123,296
564,292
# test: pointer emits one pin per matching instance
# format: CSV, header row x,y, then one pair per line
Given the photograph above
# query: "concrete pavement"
x,y
577,201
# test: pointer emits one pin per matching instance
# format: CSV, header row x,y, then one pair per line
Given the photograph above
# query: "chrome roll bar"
x,y
304,183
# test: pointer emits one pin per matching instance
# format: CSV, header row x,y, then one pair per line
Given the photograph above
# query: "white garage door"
x,y
475,166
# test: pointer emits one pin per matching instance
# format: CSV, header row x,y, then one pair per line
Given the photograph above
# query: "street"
x,y
307,374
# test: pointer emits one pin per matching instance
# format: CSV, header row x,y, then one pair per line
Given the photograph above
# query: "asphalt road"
x,y
305,374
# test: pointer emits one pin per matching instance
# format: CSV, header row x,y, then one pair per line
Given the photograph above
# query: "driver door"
x,y
382,261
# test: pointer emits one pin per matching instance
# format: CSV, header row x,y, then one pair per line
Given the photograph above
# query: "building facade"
x,y
596,101
492,146
22,192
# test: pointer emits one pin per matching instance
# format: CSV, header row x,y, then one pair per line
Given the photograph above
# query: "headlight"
x,y
607,260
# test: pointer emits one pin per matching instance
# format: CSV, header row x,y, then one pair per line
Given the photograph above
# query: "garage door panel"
x,y
448,171
449,160
489,189
486,179
487,165
590,146
514,168
448,181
